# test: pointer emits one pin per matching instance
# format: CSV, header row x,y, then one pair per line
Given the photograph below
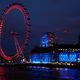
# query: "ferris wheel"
x,y
19,48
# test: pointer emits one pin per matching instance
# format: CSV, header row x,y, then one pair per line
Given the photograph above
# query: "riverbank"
x,y
77,65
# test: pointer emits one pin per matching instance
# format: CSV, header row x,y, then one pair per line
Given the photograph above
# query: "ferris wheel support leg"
x,y
18,48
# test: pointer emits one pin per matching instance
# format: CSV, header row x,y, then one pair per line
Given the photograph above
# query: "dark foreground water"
x,y
37,73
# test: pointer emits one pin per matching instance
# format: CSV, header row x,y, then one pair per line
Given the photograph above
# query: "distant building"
x,y
57,53
47,39
68,53
40,55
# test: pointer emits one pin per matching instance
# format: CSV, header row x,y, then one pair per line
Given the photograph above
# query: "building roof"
x,y
54,48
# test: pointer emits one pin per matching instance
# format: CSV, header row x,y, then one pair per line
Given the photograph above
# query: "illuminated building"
x,y
40,55
40,58
68,53
68,57
49,52
57,53
47,39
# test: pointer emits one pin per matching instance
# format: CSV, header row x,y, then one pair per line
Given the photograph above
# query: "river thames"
x,y
38,73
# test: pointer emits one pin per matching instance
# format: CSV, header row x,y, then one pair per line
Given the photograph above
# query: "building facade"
x,y
57,53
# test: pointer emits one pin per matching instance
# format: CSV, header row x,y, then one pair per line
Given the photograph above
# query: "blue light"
x,y
35,61
73,57
40,58
45,57
63,57
68,57
44,40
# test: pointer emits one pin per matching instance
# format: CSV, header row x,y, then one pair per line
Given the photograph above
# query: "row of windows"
x,y
63,57
71,57
38,58
69,49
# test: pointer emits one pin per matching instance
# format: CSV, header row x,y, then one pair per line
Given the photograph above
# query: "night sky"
x,y
61,17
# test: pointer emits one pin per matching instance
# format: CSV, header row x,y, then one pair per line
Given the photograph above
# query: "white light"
x,y
78,59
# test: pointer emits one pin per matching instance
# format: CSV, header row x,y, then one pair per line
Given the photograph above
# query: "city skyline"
x,y
39,39
59,17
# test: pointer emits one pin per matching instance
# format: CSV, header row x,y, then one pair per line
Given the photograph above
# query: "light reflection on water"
x,y
38,73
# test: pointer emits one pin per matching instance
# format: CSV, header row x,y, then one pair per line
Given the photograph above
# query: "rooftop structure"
x,y
47,39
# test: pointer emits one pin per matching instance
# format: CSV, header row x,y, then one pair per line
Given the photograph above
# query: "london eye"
x,y
19,47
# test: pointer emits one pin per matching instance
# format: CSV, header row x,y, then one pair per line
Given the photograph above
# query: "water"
x,y
38,73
